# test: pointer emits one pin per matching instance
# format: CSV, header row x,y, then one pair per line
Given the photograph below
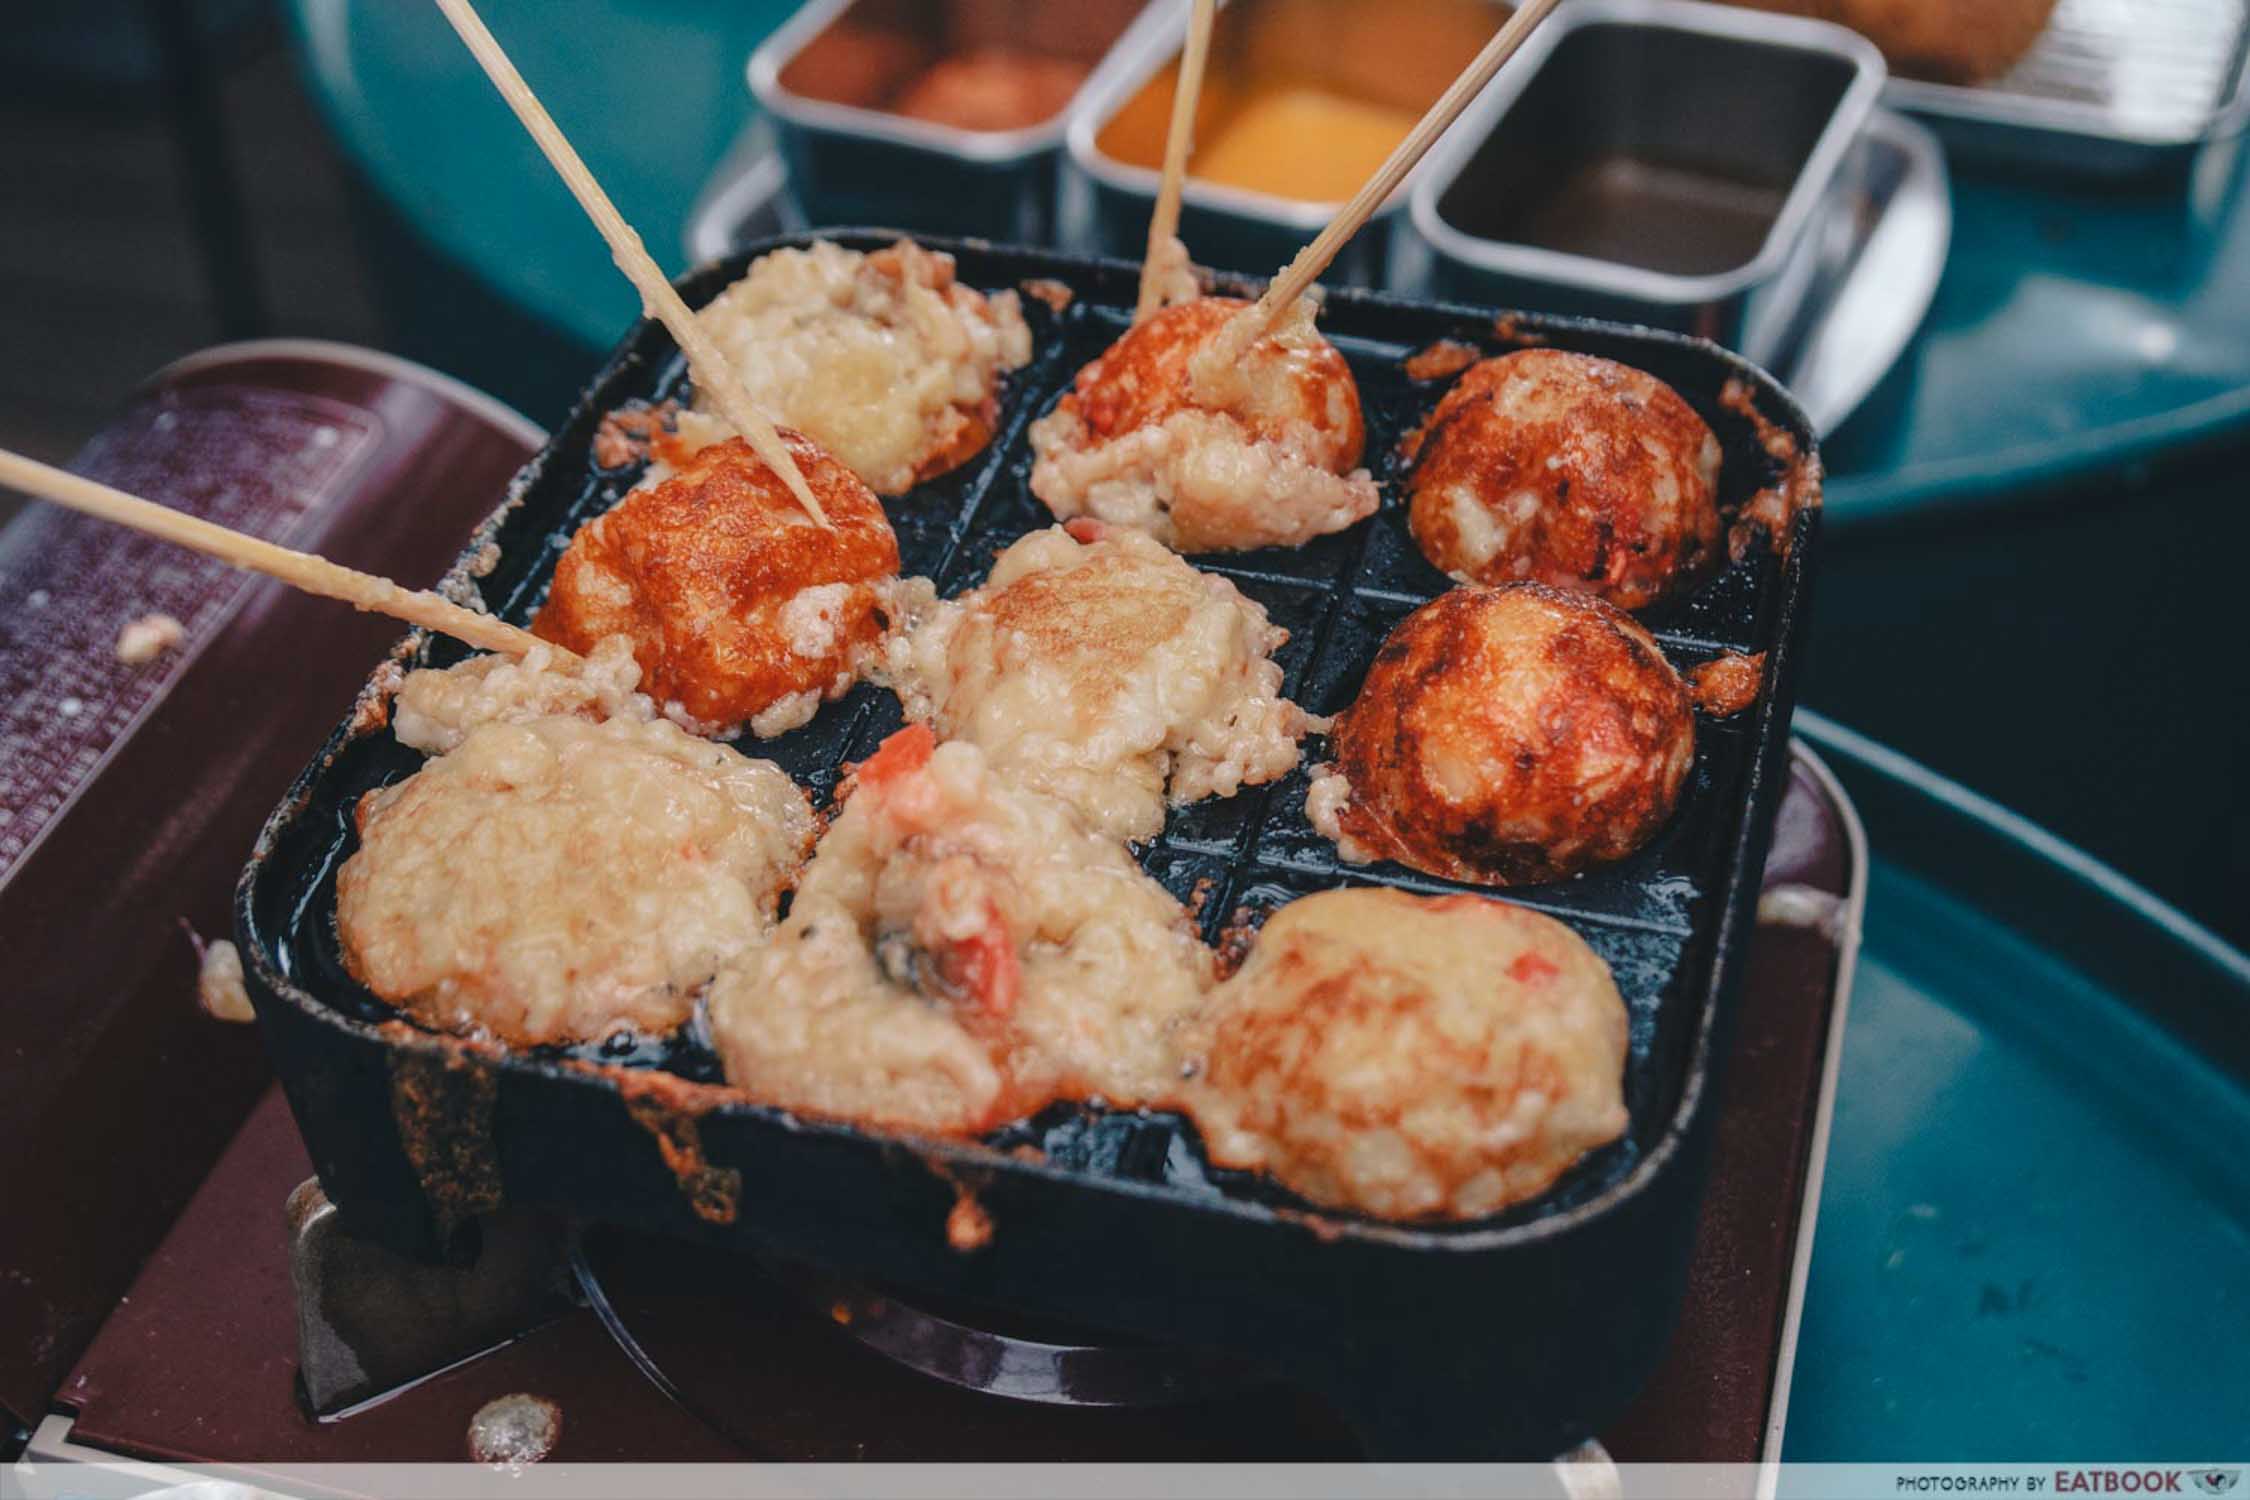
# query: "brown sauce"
x,y
965,64
1634,211
1728,684
991,88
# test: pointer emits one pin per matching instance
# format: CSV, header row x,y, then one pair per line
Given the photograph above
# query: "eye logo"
x,y
2216,1481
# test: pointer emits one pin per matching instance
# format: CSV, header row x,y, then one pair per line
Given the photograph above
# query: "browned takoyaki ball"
x,y
1208,456
741,608
1507,736
1412,1057
1568,470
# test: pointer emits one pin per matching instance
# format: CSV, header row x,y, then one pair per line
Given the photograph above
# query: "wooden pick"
x,y
304,570
1179,141
658,299
1298,276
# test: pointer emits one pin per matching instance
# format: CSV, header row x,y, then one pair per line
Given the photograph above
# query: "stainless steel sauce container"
x,y
1107,202
825,77
1656,161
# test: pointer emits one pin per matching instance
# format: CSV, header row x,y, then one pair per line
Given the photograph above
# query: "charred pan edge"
x,y
1736,901
442,1104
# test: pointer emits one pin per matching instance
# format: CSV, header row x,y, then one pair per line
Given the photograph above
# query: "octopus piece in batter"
x,y
558,880
882,358
741,608
1171,433
1410,1057
1569,470
960,952
1507,736
1098,667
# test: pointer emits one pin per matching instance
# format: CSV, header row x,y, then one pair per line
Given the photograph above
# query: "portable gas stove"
x,y
259,1335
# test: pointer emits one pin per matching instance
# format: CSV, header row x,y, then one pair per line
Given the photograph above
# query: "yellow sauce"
x,y
1301,143
1304,98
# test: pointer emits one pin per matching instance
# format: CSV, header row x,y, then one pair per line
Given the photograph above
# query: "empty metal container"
x,y
941,116
1656,161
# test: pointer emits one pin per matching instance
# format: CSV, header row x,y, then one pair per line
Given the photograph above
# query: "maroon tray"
x,y
135,792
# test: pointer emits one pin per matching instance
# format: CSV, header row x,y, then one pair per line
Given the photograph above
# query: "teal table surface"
x,y
2034,1231
2075,328
649,94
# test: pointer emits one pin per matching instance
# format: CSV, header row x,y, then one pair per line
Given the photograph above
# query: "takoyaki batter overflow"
x,y
435,710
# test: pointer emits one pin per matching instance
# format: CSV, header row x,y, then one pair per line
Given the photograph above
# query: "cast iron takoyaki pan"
x,y
1512,1337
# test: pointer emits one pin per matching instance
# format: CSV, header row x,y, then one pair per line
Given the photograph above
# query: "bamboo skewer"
x,y
658,299
1164,221
1299,275
315,575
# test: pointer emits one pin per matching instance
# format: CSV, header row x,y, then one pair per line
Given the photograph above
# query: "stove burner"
x,y
978,1349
